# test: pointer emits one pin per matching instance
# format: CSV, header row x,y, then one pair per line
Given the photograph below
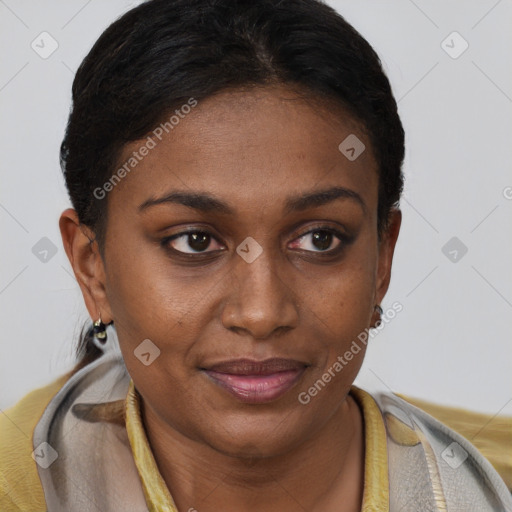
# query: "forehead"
x,y
251,147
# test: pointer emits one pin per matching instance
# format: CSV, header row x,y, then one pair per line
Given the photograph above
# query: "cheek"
x,y
151,307
344,296
143,291
343,310
346,316
344,305
152,300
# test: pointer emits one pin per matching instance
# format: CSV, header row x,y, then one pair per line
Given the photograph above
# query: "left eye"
x,y
320,240
197,241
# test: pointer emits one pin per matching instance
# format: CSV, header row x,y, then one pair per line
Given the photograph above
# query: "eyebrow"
x,y
207,203
322,197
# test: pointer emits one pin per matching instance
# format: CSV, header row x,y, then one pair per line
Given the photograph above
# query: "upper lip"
x,y
253,367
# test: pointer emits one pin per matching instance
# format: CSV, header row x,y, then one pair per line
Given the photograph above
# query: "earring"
x,y
379,311
99,332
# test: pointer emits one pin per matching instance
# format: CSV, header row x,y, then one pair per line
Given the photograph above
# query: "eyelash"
x,y
344,240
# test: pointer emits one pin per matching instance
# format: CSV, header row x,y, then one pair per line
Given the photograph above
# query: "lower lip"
x,y
257,389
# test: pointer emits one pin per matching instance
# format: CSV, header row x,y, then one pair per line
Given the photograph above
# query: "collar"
x,y
376,483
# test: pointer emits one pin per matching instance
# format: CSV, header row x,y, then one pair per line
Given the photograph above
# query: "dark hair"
x,y
163,52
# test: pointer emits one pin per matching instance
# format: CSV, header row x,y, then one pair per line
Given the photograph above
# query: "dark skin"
x,y
252,150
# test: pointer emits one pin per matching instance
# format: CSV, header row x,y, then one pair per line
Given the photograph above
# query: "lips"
x,y
256,381
251,367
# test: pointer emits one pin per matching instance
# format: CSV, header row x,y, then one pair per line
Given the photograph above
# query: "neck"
x,y
323,473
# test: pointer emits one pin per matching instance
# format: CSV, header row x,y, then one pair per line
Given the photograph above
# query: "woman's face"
x,y
281,260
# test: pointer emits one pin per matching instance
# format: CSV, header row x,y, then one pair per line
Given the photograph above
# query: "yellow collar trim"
x,y
158,497
376,482
376,479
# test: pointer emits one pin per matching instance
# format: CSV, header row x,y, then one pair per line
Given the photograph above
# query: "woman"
x,y
235,172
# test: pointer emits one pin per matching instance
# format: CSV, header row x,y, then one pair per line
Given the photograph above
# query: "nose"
x,y
261,302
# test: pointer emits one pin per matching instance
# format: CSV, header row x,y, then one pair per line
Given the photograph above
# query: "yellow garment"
x,y
155,491
20,488
376,485
21,491
491,435
376,482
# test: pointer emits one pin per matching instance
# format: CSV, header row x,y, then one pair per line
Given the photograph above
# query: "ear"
x,y
386,251
83,254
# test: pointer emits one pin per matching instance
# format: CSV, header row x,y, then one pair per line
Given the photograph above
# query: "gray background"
x,y
451,342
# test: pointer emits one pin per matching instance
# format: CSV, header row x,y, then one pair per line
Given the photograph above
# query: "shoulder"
x,y
490,434
431,463
20,488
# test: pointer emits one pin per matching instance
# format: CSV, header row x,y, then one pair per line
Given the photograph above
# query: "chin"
x,y
259,439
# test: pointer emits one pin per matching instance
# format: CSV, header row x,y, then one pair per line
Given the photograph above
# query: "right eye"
x,y
191,242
